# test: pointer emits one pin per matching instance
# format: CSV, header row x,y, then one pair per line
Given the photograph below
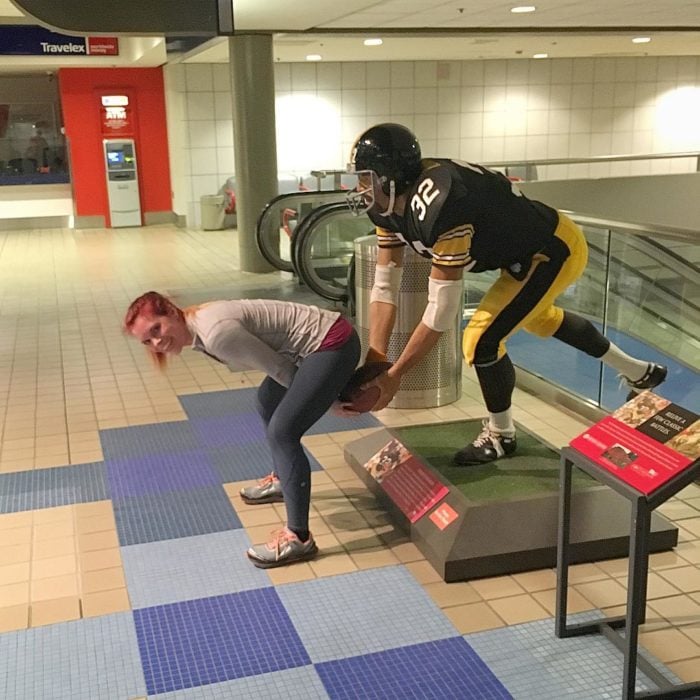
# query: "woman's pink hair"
x,y
152,304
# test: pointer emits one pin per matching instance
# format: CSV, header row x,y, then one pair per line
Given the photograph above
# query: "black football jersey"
x,y
465,215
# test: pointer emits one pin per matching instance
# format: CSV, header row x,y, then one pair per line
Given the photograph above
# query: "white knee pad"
x,y
445,301
387,280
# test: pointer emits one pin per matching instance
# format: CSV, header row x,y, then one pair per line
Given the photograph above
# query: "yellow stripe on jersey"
x,y
388,239
452,247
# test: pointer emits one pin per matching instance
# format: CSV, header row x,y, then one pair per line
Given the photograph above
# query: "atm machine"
x,y
122,182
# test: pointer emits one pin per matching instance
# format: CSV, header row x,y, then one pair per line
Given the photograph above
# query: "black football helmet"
x,y
392,154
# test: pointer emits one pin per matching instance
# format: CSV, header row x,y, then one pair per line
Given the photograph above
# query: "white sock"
x,y
627,366
502,422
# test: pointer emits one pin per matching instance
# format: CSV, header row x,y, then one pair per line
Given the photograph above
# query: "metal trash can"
x,y
213,211
437,379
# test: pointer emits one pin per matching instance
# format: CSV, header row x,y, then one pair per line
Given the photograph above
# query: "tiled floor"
x,y
122,572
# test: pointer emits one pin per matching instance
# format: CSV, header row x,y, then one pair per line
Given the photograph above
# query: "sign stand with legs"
x,y
642,507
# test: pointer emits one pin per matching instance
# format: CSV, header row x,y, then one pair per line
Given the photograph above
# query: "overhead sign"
x,y
23,40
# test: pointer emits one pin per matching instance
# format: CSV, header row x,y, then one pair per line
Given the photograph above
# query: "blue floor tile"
x,y
381,609
160,473
155,517
158,573
90,659
532,662
57,486
216,639
140,440
337,424
293,684
233,429
219,403
443,669
251,460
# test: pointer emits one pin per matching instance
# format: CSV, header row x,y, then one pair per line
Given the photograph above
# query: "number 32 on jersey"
x,y
424,196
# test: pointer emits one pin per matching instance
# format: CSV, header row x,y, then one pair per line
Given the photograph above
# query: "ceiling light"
x,y
373,42
540,55
641,40
314,57
522,8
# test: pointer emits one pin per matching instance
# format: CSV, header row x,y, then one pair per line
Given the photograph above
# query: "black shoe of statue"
x,y
654,376
487,447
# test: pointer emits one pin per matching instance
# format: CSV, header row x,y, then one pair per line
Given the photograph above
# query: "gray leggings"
x,y
289,413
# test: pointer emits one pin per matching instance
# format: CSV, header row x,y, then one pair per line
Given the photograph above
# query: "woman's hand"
x,y
388,384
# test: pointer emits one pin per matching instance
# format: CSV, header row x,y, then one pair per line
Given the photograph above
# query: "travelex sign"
x,y
23,40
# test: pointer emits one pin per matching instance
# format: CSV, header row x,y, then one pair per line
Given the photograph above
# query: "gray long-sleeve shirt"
x,y
264,334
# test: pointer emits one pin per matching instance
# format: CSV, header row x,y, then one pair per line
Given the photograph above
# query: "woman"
x,y
308,355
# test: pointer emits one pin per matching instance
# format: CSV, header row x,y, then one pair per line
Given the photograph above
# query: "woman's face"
x,y
162,334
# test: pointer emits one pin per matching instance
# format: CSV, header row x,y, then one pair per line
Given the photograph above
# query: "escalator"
x,y
279,219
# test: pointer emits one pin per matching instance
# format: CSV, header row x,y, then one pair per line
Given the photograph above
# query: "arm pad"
x,y
387,280
445,300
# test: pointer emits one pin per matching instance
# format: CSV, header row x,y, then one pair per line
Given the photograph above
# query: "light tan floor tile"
x,y
475,617
51,531
15,593
54,566
533,581
497,587
102,580
423,572
94,509
603,594
688,671
100,559
373,558
405,552
690,551
13,521
685,578
105,602
357,540
450,594
54,587
679,609
517,609
584,573
669,645
332,564
301,571
575,602
97,541
14,573
15,553
666,560
14,617
47,612
260,515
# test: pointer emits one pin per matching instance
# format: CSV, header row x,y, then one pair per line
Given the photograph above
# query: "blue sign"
x,y
29,40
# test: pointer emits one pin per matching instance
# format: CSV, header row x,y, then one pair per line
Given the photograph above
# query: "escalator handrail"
x,y
270,255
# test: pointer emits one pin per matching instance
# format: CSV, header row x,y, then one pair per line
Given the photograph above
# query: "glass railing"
x,y
641,288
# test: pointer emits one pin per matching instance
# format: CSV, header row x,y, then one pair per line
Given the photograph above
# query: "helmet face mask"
x,y
392,154
362,199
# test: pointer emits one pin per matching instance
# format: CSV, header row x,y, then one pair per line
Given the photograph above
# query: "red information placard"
x,y
646,442
412,487
443,515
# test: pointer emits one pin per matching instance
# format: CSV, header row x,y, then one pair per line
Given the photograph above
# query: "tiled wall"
x,y
481,111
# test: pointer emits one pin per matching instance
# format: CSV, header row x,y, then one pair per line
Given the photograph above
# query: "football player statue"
x,y
465,217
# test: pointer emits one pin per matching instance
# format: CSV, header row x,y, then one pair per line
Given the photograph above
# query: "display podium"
x,y
646,452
